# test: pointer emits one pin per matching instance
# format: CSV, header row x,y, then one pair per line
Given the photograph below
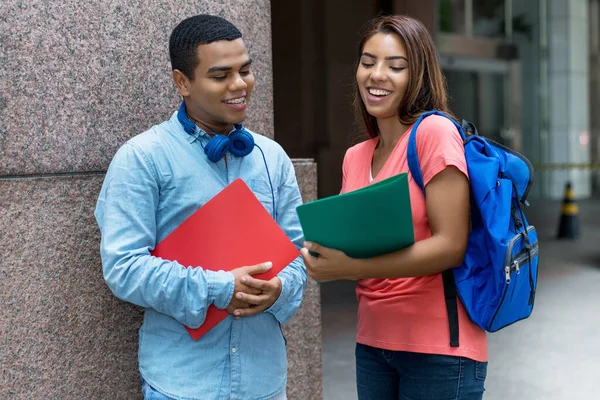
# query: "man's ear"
x,y
182,82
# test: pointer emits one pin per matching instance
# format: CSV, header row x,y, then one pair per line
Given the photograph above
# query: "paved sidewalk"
x,y
553,355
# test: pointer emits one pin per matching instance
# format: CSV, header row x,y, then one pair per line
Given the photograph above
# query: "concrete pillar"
x,y
305,376
569,119
595,86
78,80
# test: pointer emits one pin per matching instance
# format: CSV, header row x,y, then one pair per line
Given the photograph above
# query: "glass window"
x,y
489,18
478,18
451,16
479,97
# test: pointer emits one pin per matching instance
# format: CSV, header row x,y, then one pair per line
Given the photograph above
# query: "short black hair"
x,y
191,33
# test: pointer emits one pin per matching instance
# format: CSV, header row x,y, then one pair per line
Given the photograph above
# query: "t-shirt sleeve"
x,y
439,145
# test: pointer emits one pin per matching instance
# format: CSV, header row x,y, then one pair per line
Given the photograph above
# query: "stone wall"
x,y
77,79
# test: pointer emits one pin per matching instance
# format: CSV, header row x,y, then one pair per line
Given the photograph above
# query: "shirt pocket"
x,y
262,190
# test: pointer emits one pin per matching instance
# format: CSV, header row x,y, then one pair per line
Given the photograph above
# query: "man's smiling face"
x,y
217,97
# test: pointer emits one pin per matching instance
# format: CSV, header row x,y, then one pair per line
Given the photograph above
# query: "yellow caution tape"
x,y
559,166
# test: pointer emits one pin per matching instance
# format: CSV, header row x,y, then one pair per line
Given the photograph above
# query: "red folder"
x,y
231,230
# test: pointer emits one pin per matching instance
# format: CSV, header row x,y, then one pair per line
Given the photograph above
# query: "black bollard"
x,y
569,219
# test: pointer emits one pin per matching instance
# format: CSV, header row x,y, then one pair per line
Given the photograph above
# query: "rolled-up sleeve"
x,y
126,215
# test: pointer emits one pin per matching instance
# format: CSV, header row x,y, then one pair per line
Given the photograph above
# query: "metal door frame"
x,y
463,53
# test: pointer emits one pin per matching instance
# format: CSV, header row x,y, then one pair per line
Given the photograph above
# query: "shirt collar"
x,y
194,131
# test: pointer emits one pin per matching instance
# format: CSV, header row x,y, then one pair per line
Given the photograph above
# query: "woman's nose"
x,y
378,72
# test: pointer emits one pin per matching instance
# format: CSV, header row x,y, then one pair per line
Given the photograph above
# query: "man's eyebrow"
x,y
217,69
387,58
226,69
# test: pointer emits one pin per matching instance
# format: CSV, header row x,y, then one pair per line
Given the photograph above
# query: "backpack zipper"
x,y
521,257
525,254
512,241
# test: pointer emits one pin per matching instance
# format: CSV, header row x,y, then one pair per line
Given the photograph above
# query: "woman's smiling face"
x,y
382,75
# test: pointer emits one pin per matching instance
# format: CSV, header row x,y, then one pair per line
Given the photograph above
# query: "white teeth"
x,y
379,92
239,100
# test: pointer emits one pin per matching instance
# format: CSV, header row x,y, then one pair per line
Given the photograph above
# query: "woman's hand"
x,y
330,264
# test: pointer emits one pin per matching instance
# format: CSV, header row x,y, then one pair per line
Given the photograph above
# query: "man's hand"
x,y
270,291
245,273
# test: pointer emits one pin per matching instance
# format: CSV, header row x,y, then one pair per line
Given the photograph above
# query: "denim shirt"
x,y
154,182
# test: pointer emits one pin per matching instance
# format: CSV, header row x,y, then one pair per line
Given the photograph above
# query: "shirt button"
x,y
233,350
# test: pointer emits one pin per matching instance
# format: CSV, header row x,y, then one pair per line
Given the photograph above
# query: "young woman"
x,y
403,346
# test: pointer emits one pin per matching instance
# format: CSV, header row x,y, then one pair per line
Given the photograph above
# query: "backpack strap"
x,y
451,305
447,276
413,157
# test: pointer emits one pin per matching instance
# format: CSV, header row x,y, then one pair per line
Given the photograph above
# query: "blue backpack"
x,y
497,280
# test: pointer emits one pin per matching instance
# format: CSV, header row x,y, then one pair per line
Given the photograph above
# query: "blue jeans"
x,y
393,375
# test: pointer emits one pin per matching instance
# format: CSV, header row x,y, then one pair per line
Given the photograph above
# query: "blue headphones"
x,y
239,142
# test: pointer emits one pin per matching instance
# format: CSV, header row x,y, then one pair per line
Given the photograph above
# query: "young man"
x,y
157,180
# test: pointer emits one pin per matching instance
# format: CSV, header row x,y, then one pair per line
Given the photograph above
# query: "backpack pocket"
x,y
520,279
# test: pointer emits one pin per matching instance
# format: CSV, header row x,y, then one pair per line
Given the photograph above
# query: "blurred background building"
x,y
526,72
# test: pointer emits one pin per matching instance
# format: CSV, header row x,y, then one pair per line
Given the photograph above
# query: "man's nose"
x,y
238,83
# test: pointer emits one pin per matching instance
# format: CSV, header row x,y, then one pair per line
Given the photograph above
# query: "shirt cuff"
x,y
282,299
220,288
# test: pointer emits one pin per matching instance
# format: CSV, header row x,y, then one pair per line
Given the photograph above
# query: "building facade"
x,y
524,71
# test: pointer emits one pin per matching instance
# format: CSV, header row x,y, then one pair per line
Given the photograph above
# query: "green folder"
x,y
368,222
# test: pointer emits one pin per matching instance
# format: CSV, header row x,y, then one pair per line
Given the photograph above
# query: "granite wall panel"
x,y
304,330
63,334
77,79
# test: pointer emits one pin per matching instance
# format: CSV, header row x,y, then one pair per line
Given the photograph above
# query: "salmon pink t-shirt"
x,y
409,314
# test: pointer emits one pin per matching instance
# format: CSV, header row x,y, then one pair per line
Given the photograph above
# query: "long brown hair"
x,y
426,88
